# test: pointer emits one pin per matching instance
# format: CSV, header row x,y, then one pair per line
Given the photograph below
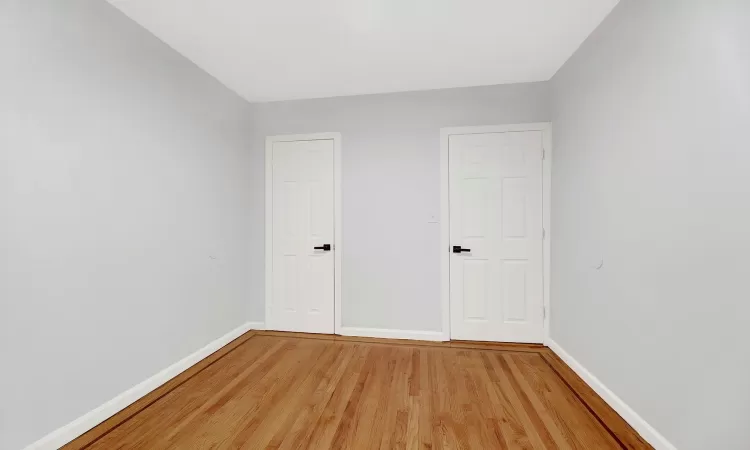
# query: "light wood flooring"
x,y
293,391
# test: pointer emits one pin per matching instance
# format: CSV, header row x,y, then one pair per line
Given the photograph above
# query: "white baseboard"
x,y
646,431
68,432
255,325
392,334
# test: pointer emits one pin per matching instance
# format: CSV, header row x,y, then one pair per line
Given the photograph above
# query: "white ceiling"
x,y
287,49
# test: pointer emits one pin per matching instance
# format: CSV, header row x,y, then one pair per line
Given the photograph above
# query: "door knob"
x,y
458,249
324,247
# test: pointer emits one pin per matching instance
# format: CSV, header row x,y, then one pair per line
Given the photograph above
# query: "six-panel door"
x,y
303,218
496,288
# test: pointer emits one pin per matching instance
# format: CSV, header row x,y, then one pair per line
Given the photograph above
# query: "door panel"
x,y
303,218
475,289
496,290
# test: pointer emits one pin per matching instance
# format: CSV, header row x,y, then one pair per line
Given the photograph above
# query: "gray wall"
x,y
391,188
124,223
651,174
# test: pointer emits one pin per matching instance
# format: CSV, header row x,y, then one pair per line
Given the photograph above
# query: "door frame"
x,y
445,134
337,246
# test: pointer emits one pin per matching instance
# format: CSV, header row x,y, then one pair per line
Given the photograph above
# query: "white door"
x,y
496,284
302,297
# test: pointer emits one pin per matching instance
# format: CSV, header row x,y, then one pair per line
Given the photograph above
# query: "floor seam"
x,y
584,402
125,420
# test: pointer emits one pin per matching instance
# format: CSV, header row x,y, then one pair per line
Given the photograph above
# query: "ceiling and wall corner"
x,y
293,49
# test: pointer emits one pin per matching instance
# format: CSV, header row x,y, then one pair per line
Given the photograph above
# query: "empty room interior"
x,y
374,224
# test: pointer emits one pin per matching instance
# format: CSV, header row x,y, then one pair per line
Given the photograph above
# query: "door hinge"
x,y
544,153
544,312
544,234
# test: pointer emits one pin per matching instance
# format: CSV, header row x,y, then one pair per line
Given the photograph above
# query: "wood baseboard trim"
x,y
392,334
90,427
469,345
630,429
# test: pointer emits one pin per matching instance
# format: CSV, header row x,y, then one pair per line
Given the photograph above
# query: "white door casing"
x,y
495,194
301,281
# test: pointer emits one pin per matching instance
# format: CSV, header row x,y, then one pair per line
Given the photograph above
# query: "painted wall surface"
x,y
651,177
125,182
391,188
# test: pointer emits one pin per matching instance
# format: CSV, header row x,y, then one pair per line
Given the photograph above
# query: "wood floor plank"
x,y
625,434
221,407
144,428
424,400
527,429
562,405
293,435
482,411
285,406
348,423
139,405
326,428
534,406
368,421
395,402
258,424
297,391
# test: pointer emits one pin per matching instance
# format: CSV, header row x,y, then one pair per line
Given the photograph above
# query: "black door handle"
x,y
458,249
324,247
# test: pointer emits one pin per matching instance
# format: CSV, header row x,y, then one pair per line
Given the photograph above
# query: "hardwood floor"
x,y
289,391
